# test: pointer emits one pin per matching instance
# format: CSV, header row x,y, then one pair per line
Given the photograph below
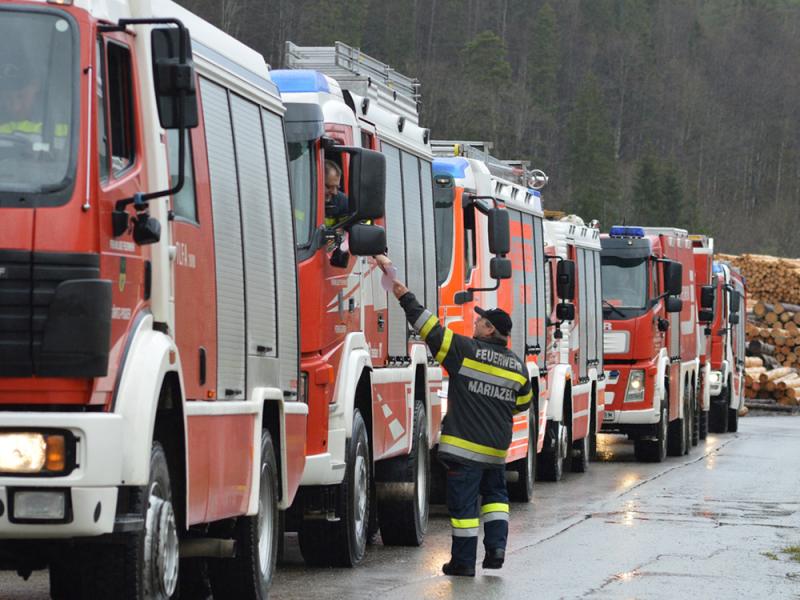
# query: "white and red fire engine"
x,y
705,294
727,349
149,354
650,338
374,409
468,182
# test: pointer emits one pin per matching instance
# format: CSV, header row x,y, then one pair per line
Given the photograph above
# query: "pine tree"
x,y
592,167
648,194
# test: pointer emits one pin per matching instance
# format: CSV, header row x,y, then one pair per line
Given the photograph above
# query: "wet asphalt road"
x,y
709,525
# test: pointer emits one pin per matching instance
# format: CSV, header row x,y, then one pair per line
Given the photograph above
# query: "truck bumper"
x,y
613,418
90,490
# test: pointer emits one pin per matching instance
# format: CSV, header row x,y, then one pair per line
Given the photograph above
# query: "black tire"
x,y
65,582
654,450
696,412
121,571
593,434
249,574
579,462
550,466
718,415
703,419
678,434
733,420
343,543
521,490
689,418
404,518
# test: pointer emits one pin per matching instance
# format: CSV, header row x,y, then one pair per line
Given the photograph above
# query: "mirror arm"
x,y
489,289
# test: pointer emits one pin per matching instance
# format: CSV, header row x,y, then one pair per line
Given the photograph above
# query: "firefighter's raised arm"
x,y
439,339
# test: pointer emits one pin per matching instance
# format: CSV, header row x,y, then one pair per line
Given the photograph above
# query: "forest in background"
x,y
655,112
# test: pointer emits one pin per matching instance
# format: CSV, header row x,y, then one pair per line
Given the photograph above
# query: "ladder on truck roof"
x,y
516,171
359,73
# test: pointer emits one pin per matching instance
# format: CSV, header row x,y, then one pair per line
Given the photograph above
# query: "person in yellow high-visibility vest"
x,y
336,208
19,92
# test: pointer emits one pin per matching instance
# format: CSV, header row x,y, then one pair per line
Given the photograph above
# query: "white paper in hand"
x,y
388,278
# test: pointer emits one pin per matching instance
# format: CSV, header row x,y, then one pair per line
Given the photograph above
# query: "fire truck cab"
x,y
727,349
650,338
372,390
577,392
148,302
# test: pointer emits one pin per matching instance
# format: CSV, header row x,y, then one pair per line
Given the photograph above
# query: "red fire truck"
x,y
650,338
705,293
467,184
727,350
148,301
374,408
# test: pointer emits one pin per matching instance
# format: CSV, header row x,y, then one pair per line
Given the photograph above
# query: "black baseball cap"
x,y
497,317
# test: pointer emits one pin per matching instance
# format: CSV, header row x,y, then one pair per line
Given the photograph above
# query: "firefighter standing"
x,y
488,386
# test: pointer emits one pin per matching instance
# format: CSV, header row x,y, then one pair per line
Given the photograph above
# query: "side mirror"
x,y
366,240
673,304
500,268
463,297
673,278
735,301
707,296
173,77
705,315
367,183
499,232
733,318
565,280
565,311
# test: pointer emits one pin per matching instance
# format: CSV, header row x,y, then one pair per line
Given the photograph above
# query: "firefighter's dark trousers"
x,y
464,484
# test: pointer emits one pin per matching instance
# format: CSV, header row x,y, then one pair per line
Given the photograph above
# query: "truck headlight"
x,y
635,391
39,505
715,378
26,453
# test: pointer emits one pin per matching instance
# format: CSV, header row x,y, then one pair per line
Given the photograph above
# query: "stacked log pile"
x,y
781,384
771,369
768,277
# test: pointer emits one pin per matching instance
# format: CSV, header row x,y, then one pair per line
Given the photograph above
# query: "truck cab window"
x,y
120,107
184,204
469,242
102,130
303,177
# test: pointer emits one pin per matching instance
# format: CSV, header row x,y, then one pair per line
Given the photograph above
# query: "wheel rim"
x,y
265,522
161,544
664,427
529,464
360,495
562,441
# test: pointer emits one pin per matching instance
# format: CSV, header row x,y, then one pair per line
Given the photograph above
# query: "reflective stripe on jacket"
x,y
488,385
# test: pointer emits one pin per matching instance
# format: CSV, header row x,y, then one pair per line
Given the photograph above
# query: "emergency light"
x,y
455,167
299,80
717,268
624,231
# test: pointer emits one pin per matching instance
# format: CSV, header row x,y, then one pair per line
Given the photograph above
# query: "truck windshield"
x,y
302,173
624,281
38,107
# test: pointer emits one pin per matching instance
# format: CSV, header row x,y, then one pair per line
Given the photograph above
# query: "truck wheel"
x,y
143,564
65,582
343,543
593,434
733,420
403,516
249,574
703,420
696,412
718,415
689,412
678,433
522,489
551,465
580,455
654,450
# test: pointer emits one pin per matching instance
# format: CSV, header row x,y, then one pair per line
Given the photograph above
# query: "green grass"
x,y
770,555
793,552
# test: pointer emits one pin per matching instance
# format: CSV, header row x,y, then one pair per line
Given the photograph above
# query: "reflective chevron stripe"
x,y
445,348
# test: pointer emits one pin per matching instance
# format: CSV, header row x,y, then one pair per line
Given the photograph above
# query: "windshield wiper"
x,y
615,309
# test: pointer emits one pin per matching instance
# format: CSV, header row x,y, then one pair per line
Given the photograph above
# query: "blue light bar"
x,y
625,231
455,167
299,80
717,268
